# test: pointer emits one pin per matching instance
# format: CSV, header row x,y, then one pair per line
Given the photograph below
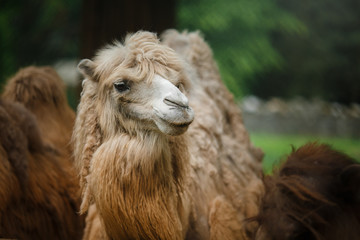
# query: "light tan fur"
x,y
144,184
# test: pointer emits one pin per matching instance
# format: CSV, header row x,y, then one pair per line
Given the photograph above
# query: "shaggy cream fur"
x,y
144,181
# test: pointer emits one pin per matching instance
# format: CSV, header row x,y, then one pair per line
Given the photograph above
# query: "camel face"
x,y
140,85
158,104
171,111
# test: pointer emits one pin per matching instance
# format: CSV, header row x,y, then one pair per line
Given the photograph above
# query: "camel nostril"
x,y
176,103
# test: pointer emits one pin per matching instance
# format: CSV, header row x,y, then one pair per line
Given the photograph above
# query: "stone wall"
x,y
300,116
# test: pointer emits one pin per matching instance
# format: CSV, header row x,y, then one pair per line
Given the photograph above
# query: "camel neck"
x,y
135,184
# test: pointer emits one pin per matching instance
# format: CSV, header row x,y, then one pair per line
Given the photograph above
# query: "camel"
x,y
39,189
160,144
313,195
41,91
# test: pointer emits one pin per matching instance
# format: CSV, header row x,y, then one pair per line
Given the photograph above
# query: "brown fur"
x,y
220,142
148,185
314,195
39,195
41,90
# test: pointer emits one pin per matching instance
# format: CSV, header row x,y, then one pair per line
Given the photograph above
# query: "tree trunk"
x,y
104,21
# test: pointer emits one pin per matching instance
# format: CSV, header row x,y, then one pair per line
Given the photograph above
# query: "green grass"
x,y
277,147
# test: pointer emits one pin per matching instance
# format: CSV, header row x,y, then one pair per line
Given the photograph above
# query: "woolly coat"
x,y
39,190
143,184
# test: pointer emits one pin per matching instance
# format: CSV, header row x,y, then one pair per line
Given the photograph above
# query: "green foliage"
x,y
277,147
239,32
37,32
323,63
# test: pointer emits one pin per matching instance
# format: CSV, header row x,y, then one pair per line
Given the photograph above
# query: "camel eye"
x,y
122,86
179,85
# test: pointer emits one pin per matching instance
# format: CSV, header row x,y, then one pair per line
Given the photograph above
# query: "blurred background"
x,y
293,66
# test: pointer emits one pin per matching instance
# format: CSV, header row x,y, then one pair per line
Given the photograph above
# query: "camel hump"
x,y
190,45
19,136
32,86
42,92
196,51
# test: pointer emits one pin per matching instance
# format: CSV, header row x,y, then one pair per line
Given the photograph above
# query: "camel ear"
x,y
86,68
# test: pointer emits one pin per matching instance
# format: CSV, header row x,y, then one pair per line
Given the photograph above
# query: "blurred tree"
x,y
239,31
323,63
37,32
43,32
260,45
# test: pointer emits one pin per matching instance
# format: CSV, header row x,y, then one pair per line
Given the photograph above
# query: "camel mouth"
x,y
174,123
170,128
181,125
177,125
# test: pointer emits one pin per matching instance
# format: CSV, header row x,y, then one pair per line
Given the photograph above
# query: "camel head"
x,y
139,85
